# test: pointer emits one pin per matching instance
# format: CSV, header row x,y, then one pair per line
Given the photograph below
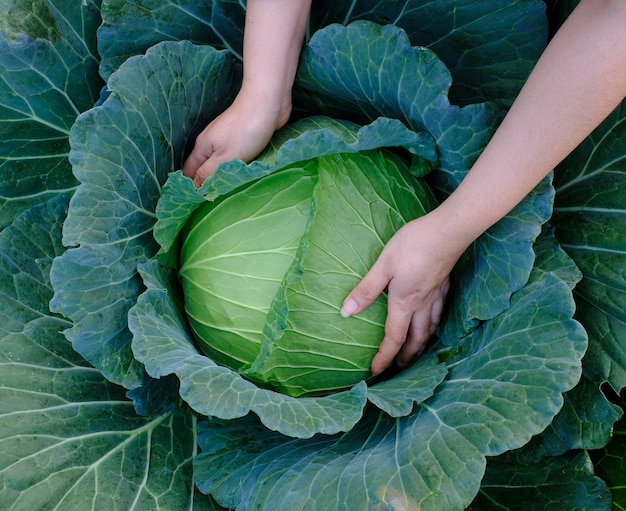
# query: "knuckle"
x,y
365,292
395,336
421,334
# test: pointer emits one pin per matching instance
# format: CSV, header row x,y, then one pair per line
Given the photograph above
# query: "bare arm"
x,y
274,32
578,81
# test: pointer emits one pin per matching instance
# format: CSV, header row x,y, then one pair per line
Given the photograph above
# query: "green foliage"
x,y
49,76
611,464
108,404
70,439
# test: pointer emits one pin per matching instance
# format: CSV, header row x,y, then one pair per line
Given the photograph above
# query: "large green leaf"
x,y
585,422
610,464
68,438
505,383
131,27
565,482
489,47
587,417
121,153
590,221
48,75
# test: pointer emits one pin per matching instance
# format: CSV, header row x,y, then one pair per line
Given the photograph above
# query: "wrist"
x,y
267,105
455,233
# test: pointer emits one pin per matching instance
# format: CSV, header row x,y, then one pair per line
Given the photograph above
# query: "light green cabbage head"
x,y
265,269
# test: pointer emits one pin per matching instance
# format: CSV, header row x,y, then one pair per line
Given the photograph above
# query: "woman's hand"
x,y
241,132
577,82
414,267
273,36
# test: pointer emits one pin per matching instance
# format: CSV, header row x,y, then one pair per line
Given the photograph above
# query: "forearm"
x,y
578,81
273,37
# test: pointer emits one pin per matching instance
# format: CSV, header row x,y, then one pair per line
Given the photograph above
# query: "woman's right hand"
x,y
414,268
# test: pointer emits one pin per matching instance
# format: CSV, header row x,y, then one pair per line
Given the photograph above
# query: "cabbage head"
x,y
265,269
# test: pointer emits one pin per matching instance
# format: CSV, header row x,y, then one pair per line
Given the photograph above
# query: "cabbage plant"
x,y
107,400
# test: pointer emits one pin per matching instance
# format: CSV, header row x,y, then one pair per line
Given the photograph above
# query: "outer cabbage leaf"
x,y
131,27
48,75
387,77
610,463
69,439
121,153
490,48
566,482
590,221
585,422
587,417
505,383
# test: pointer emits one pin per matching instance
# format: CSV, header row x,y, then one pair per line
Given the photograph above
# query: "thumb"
x,y
365,292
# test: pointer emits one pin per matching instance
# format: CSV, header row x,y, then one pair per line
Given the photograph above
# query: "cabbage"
x,y
265,269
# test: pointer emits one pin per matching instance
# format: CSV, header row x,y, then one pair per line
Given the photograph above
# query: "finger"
x,y
438,306
396,328
195,161
420,330
436,313
365,292
424,324
205,170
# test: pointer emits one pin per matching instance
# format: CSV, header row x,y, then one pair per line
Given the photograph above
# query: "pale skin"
x,y
577,82
274,33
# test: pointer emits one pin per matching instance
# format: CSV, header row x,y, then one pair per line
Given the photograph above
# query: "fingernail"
x,y
349,308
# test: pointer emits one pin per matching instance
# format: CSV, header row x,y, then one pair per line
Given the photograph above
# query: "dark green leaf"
x,y
610,464
566,482
69,439
585,422
490,48
48,76
130,27
590,221
411,386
